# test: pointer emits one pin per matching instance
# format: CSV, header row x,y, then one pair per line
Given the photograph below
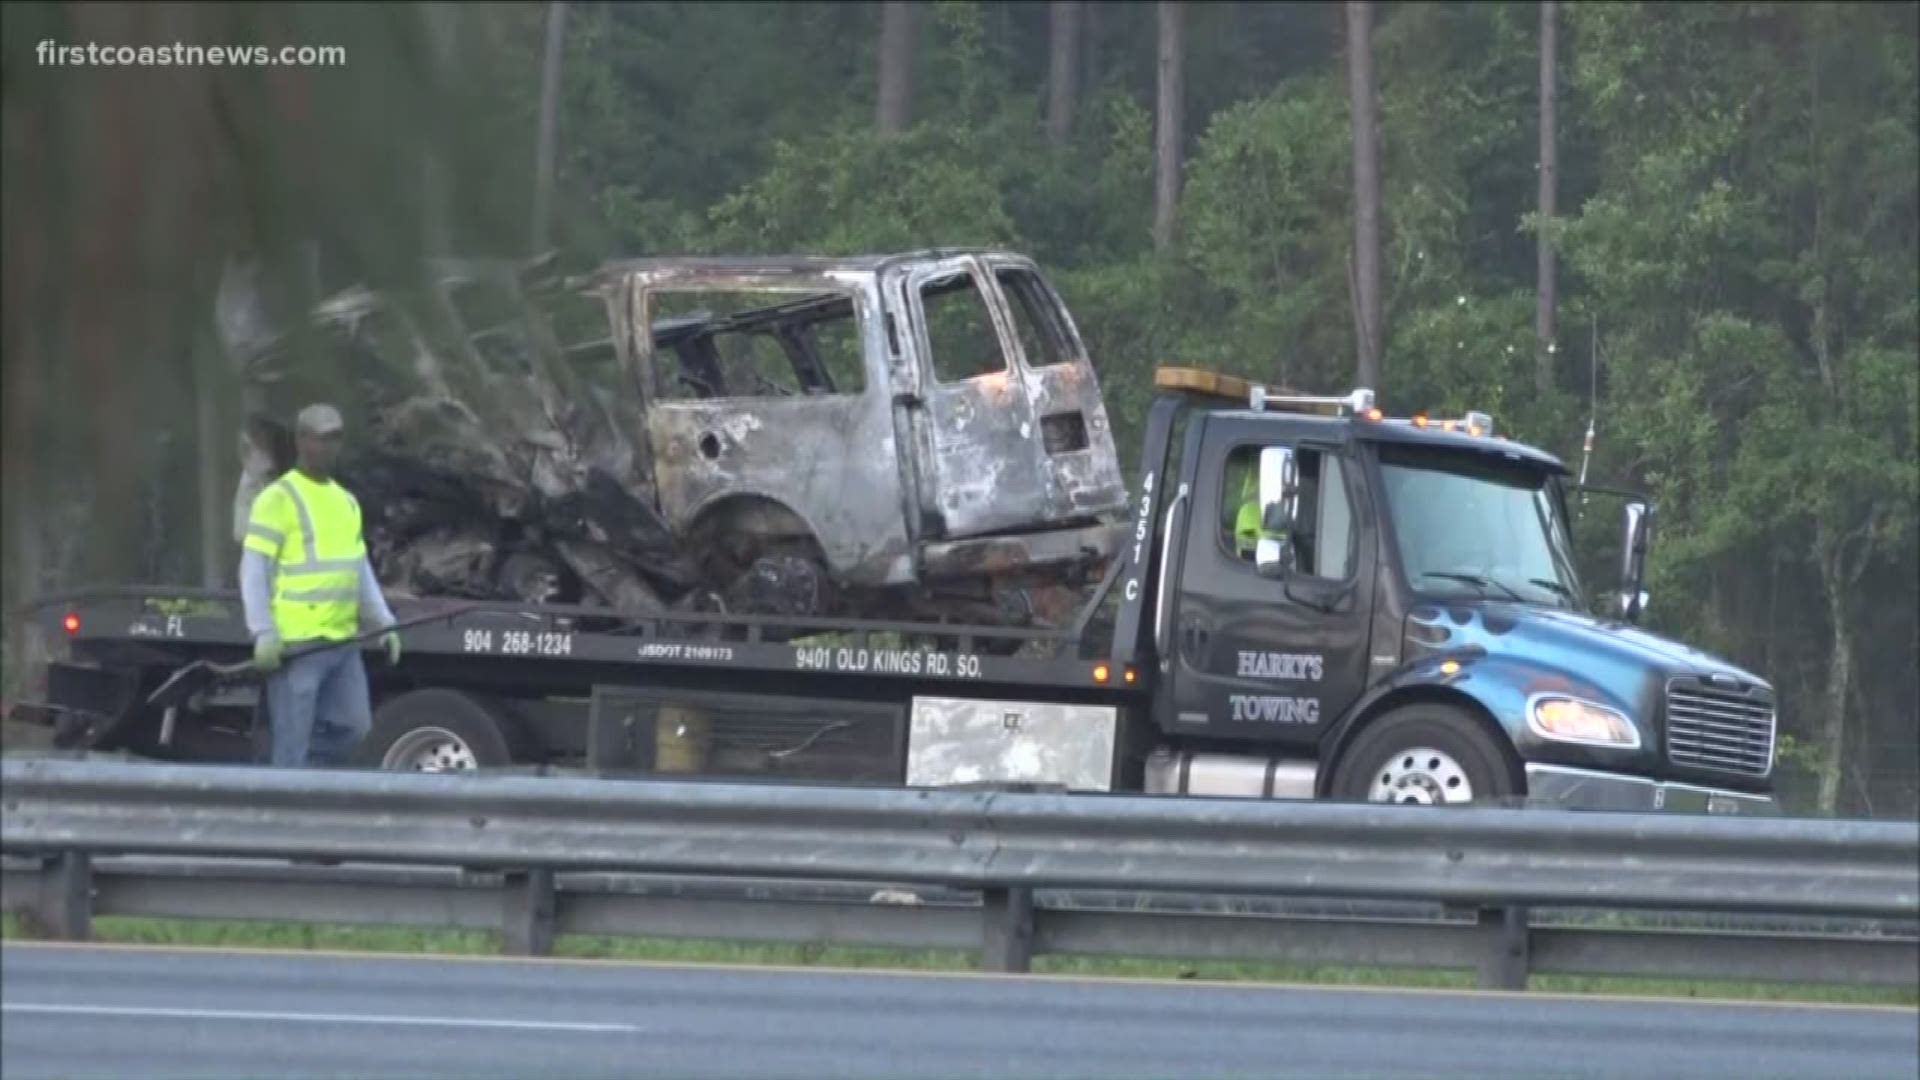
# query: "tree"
x,y
1366,192
1549,183
1751,245
895,108
436,196
1166,182
549,125
1063,69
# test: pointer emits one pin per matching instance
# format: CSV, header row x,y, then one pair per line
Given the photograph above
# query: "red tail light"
x,y
72,623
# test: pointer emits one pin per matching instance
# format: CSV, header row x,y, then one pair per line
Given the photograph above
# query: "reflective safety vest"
x,y
311,532
1248,529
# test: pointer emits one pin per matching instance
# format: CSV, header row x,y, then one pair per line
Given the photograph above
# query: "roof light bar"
x,y
1356,403
1475,423
1258,396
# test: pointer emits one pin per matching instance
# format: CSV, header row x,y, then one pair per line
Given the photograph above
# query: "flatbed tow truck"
x,y
1410,627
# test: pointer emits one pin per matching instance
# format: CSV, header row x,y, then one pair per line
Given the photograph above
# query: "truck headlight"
x,y
1567,719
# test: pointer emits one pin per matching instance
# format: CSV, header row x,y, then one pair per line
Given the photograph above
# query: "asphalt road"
x,y
81,1011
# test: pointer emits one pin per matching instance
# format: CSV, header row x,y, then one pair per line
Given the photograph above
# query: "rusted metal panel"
x,y
1074,434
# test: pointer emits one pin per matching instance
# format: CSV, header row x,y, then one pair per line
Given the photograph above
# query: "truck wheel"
x,y
437,731
1425,753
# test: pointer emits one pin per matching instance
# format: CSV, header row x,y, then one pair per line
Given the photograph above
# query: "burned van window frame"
x,y
932,285
1033,308
491,339
594,358
801,363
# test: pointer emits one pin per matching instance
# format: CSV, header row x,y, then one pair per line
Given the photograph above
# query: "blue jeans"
x,y
318,707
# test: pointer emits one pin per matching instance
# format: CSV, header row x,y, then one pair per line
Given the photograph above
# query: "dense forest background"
x,y
1696,223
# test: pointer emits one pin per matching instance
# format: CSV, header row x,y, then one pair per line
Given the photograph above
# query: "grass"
x,y
298,936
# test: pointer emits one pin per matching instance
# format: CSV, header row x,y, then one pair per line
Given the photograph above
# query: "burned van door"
x,y
980,468
1073,433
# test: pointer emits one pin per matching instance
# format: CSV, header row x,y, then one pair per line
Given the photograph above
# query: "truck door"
x,y
1275,661
980,466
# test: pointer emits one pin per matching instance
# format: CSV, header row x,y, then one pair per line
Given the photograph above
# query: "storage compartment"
x,y
968,741
716,734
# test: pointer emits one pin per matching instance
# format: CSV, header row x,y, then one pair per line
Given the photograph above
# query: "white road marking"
x,y
309,1018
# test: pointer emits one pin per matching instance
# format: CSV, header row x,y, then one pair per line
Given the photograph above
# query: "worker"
x,y
306,580
1248,527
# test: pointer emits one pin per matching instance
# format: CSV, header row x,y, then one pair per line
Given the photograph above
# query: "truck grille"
x,y
1723,730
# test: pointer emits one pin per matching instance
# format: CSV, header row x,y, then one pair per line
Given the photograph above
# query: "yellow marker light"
x,y
1130,676
1566,719
1448,667
1419,420
1374,414
1475,429
1202,381
1101,672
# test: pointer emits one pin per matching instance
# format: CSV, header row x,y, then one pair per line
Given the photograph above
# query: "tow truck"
x,y
1409,627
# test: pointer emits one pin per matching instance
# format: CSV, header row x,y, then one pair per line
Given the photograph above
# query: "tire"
x,y
1426,753
437,731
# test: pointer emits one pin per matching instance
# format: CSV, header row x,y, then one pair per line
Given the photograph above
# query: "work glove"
x,y
267,650
392,641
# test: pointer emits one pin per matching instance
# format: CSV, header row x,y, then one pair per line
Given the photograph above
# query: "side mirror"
x,y
1636,528
1279,510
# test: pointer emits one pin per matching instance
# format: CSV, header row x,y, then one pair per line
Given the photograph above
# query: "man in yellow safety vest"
x,y
1248,528
305,579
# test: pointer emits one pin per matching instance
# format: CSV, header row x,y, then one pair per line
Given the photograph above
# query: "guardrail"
x,y
535,857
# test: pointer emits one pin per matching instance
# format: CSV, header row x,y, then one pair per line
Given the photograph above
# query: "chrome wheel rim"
x,y
430,749
1422,776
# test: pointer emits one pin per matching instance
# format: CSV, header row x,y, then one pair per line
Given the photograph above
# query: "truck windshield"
x,y
1472,524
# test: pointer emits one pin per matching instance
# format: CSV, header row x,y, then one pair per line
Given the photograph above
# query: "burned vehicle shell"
x,y
903,419
784,435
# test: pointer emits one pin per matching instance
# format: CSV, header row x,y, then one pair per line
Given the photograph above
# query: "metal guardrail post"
x,y
65,908
529,912
1506,956
1007,930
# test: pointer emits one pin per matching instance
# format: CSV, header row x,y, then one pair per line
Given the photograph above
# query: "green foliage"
x,y
1267,228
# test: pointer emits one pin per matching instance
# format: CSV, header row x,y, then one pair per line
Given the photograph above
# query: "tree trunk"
x,y
1549,182
549,126
213,443
436,195
1166,178
1063,74
895,109
1841,561
1833,724
1366,190
1089,49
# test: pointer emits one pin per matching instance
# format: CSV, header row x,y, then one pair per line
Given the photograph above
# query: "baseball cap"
x,y
320,420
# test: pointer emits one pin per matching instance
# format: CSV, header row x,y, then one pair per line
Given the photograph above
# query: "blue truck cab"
x,y
1353,606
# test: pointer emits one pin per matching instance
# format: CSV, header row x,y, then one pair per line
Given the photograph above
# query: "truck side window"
x,y
1322,541
959,330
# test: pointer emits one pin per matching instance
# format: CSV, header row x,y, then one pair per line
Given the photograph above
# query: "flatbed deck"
x,y
156,626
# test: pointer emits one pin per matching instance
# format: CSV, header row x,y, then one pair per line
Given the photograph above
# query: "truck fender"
x,y
1491,688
